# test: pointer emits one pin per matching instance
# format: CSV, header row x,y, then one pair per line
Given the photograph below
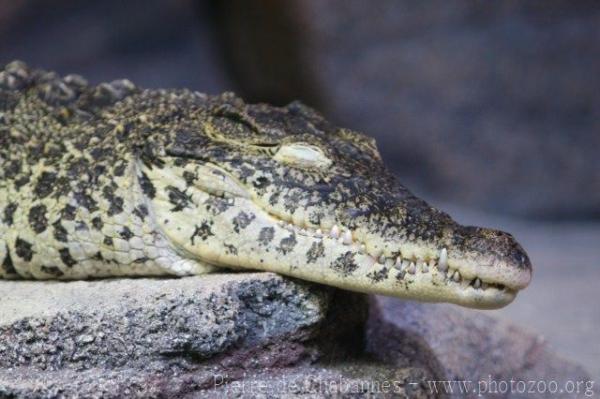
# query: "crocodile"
x,y
113,180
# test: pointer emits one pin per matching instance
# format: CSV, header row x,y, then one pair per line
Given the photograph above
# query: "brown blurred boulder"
x,y
495,105
472,354
155,43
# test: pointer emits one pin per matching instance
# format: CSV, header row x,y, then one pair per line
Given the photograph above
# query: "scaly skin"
x,y
112,180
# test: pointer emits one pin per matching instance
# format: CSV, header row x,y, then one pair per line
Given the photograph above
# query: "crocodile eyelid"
x,y
303,155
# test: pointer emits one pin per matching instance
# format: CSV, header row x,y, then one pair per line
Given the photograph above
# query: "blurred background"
x,y
489,110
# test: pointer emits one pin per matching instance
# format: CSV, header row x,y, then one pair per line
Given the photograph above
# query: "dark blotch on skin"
x,y
216,205
86,201
345,264
179,199
45,184
379,275
286,245
119,169
37,218
116,202
22,181
108,241
9,212
261,182
68,212
316,251
66,257
116,206
147,186
62,187
126,233
7,263
242,220
189,178
24,249
231,249
97,223
52,270
12,168
203,231
266,236
60,233
141,211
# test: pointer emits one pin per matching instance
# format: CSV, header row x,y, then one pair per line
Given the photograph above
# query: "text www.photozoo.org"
x,y
491,386
467,388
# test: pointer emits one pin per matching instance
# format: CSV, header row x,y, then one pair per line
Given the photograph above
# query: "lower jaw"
x,y
494,299
435,288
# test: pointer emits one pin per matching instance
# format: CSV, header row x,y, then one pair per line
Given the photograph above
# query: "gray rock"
x,y
248,335
344,379
460,344
161,337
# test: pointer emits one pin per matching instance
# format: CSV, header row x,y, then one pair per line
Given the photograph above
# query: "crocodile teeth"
x,y
456,276
477,283
362,249
443,261
319,233
412,268
335,232
398,264
425,268
347,237
381,259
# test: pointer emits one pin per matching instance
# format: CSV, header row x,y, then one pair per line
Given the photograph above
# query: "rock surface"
x,y
153,337
464,345
247,335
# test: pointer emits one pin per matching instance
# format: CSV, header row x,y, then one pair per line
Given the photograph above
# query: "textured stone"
x,y
151,337
248,335
459,344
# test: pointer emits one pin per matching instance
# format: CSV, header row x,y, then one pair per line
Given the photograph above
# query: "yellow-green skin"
x,y
113,180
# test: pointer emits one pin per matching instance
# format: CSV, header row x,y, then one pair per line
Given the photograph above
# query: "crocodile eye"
x,y
302,155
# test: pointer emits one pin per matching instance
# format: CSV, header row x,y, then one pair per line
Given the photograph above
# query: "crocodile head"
x,y
281,189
